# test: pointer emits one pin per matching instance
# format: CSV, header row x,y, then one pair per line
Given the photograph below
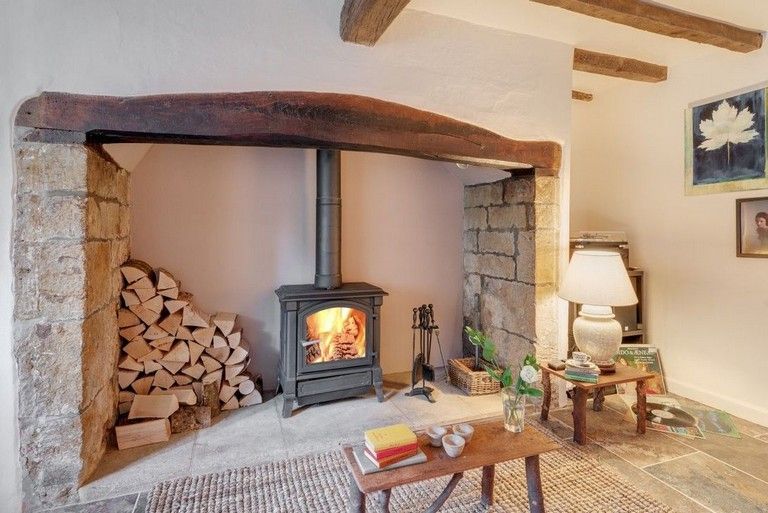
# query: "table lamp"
x,y
598,281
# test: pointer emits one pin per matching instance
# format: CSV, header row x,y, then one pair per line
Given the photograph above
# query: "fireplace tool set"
x,y
423,371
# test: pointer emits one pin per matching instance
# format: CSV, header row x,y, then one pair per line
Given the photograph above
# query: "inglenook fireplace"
x,y
329,330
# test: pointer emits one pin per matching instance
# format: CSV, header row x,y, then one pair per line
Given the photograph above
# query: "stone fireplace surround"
x,y
71,233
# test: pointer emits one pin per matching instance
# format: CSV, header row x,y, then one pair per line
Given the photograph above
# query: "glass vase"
x,y
514,410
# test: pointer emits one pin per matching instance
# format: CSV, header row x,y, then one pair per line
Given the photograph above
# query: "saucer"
x,y
583,365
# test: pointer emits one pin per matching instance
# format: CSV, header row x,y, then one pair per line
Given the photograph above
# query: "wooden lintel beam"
x,y
666,21
289,119
615,66
364,21
581,96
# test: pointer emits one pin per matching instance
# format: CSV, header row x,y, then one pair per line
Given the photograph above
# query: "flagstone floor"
x,y
718,474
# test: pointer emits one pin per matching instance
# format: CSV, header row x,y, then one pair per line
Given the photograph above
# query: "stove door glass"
x,y
334,334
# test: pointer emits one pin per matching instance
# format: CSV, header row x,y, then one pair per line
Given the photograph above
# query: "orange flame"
x,y
335,326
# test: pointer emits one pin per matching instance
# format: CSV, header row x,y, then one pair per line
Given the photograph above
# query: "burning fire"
x,y
335,334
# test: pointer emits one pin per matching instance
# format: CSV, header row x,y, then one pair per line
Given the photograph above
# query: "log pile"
x,y
178,365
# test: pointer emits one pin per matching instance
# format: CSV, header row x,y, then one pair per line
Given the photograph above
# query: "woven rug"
x,y
572,481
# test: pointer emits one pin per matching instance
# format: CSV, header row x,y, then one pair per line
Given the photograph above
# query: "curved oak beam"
x,y
280,119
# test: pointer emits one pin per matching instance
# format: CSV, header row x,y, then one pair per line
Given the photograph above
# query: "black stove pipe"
x,y
328,220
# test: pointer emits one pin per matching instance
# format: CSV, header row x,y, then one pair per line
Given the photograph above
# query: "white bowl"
x,y
453,445
436,434
464,430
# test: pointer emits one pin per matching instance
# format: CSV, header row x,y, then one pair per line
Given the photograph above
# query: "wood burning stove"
x,y
329,330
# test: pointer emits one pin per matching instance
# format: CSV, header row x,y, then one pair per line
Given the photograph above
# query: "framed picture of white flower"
x,y
726,143
752,227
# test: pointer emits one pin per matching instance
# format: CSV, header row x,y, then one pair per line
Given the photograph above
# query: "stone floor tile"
x,y
123,504
556,427
615,433
718,486
141,503
746,453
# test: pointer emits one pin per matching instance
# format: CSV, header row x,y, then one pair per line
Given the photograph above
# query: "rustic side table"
x,y
581,390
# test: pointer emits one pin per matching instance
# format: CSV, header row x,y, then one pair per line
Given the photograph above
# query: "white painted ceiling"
x,y
526,17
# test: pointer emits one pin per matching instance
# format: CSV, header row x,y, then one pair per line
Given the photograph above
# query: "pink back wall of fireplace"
x,y
235,223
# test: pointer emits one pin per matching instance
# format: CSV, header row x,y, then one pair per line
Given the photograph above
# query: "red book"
x,y
393,451
381,463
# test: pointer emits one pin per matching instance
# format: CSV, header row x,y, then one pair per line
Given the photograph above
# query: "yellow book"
x,y
387,437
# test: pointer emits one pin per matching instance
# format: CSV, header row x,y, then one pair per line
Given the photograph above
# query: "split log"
x,y
171,323
125,396
155,355
142,385
254,397
151,366
226,392
126,378
232,404
183,333
153,406
127,362
175,305
169,293
142,283
126,318
213,377
195,350
246,387
190,418
236,380
231,371
155,332
137,348
163,379
134,270
178,353
210,398
194,371
146,315
123,408
172,367
239,354
182,380
225,322
234,338
143,433
163,344
220,353
219,341
210,364
145,294
165,279
155,304
183,395
130,298
132,332
204,336
194,317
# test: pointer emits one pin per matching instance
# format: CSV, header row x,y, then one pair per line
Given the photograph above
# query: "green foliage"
x,y
506,376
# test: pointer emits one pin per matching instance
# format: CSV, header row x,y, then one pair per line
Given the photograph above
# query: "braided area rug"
x,y
572,481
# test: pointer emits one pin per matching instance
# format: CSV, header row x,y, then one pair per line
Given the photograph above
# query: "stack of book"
x,y
391,444
586,372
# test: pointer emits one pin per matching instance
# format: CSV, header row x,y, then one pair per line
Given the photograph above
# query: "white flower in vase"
x,y
529,374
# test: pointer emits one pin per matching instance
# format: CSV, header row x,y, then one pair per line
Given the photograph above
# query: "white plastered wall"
x,y
705,307
515,85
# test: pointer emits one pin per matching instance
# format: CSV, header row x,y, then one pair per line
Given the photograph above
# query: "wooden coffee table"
x,y
490,444
581,390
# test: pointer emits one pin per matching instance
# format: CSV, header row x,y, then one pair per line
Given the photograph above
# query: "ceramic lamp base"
x,y
597,333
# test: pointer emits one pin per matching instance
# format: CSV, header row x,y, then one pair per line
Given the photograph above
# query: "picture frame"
x,y
752,227
726,142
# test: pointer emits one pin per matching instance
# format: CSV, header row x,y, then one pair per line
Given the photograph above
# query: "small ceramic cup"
x,y
436,434
581,357
464,430
453,445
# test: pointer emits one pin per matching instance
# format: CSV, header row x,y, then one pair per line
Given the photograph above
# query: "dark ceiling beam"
x,y
616,66
666,21
279,119
364,21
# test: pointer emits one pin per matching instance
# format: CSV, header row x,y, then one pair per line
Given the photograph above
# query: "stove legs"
x,y
378,384
287,406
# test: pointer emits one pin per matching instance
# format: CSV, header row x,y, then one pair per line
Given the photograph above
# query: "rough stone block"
x,y
103,176
472,284
546,216
470,240
471,263
97,421
510,306
25,258
508,217
124,225
512,349
497,266
51,167
475,218
100,285
483,195
103,219
546,256
519,189
547,190
40,218
547,320
100,352
526,256
497,242
123,187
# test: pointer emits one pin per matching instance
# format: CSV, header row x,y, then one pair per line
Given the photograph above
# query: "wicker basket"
x,y
470,381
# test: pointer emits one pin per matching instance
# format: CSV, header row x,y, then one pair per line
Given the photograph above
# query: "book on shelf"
x,y
582,370
368,467
388,437
581,377
392,451
385,462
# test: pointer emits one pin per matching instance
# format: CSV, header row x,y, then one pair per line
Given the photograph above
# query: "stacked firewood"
x,y
172,348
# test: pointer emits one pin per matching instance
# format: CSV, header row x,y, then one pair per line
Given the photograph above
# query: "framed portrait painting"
x,y
752,227
725,143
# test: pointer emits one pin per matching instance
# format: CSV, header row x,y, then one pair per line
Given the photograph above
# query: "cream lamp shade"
x,y
597,278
